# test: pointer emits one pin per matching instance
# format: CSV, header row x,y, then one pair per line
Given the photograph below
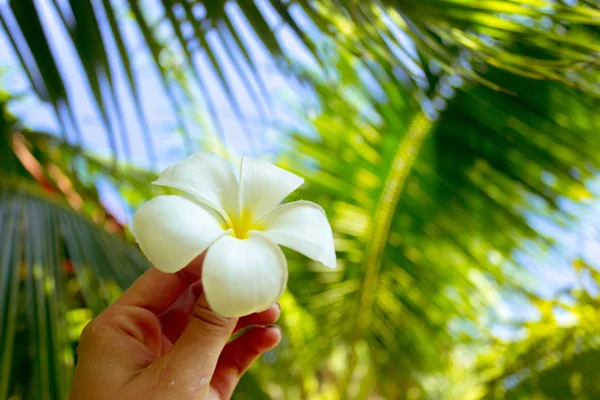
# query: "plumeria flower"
x,y
240,223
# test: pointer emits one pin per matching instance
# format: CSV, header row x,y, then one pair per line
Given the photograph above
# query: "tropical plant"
x,y
436,254
555,359
439,126
59,262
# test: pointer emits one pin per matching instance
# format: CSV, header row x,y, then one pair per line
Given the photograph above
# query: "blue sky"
x,y
255,135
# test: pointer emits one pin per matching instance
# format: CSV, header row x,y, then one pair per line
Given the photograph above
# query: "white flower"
x,y
241,224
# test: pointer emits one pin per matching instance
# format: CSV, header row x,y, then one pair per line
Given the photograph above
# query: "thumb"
x,y
189,364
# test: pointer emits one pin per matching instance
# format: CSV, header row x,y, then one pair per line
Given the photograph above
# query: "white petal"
x,y
173,230
263,186
301,226
243,276
207,177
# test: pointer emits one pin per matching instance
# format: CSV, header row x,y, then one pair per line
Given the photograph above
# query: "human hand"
x,y
161,340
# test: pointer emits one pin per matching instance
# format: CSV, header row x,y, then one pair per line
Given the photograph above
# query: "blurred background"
x,y
454,145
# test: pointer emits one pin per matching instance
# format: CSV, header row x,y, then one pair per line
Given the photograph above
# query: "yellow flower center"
x,y
242,225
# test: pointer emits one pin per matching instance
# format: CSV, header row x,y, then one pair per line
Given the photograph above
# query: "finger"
x,y
238,355
191,361
156,290
176,317
267,317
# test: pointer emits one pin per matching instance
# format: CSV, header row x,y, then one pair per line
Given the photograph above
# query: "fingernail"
x,y
274,328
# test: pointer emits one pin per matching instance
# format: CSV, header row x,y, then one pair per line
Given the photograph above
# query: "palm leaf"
x,y
49,253
536,38
57,267
427,200
426,240
555,359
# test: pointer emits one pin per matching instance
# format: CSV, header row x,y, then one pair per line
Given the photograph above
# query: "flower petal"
x,y
301,226
208,178
243,276
263,186
173,230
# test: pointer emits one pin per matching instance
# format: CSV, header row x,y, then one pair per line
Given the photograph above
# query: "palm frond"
x,y
536,38
442,253
433,141
58,268
555,359
55,265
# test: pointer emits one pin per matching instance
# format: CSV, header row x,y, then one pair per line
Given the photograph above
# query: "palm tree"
x,y
435,128
555,360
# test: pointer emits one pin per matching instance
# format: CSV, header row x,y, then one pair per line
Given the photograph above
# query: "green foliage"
x,y
556,360
58,268
449,227
428,163
554,41
55,265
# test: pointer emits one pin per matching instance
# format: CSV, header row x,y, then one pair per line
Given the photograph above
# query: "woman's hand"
x,y
161,340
